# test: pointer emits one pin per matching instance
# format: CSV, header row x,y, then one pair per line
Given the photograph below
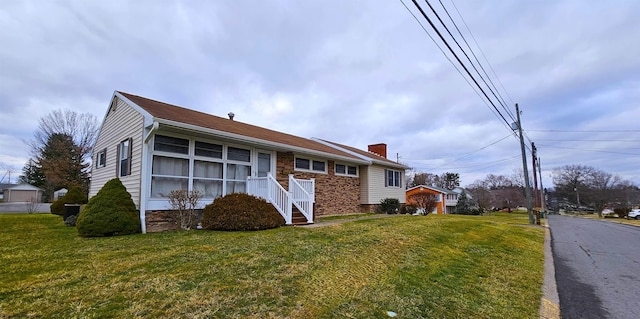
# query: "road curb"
x,y
550,302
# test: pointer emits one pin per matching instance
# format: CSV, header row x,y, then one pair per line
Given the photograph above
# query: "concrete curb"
x,y
550,302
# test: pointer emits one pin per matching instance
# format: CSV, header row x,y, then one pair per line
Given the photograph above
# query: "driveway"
x,y
597,266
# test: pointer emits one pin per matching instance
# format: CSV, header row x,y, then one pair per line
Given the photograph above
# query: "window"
x,y
167,174
208,150
101,158
392,178
238,154
343,169
304,164
171,144
207,178
124,157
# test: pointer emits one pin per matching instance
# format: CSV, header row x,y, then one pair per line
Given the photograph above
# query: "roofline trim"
x,y
243,138
370,160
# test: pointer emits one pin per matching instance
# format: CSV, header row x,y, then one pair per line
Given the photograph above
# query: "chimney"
x,y
231,115
380,149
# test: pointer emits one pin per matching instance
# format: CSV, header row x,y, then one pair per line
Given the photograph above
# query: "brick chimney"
x,y
380,149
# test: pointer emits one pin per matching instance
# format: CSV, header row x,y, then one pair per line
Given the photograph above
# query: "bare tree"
x,y
426,201
82,127
483,197
185,203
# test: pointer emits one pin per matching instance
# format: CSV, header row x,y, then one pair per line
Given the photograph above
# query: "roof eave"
x,y
252,140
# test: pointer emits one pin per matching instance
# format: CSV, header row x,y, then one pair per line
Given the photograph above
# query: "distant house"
x,y
22,193
59,193
446,199
155,147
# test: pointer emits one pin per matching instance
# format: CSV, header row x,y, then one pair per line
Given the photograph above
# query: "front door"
x,y
265,163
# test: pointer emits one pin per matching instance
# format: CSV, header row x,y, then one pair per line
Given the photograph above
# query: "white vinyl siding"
x,y
120,124
373,189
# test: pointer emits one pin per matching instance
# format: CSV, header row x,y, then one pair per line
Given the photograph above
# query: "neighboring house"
x,y
446,199
59,193
155,147
22,193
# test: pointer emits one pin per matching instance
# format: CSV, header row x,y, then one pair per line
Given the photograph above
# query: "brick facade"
x,y
162,220
335,195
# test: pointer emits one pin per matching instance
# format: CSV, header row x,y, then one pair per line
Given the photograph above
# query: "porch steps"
x,y
297,218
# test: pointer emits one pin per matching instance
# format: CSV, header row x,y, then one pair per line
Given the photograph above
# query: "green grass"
x,y
417,266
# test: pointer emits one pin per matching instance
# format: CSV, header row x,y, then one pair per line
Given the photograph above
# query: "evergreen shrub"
x,y
239,211
389,206
73,196
111,212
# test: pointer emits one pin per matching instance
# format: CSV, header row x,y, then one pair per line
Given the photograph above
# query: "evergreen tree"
x,y
463,206
32,174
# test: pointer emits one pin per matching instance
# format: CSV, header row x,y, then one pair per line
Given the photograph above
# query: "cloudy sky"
x,y
355,72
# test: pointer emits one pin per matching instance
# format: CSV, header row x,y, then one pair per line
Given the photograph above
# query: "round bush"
x,y
73,196
111,212
240,211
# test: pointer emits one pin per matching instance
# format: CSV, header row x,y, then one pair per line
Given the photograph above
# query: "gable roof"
x,y
435,188
24,187
180,115
364,154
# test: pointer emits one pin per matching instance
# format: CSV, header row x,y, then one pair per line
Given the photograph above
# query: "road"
x,y
597,266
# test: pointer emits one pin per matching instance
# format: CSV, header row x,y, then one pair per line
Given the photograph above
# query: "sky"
x,y
355,72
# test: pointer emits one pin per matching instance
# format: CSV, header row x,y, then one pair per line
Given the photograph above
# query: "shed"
x,y
22,193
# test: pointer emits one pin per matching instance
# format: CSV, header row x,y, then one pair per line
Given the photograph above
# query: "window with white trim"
x,y
392,178
124,157
346,170
311,165
101,158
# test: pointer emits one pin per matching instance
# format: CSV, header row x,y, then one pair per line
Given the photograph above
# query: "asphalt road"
x,y
597,266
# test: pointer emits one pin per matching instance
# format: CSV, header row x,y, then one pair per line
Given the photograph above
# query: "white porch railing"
x,y
300,194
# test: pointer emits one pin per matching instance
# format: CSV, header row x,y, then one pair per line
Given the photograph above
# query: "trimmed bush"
x,y
73,196
389,206
240,211
622,212
111,212
409,209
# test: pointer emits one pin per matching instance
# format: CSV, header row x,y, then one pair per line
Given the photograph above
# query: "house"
x,y
22,193
446,199
59,193
155,147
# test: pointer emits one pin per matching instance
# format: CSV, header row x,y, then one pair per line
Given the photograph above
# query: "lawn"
x,y
415,266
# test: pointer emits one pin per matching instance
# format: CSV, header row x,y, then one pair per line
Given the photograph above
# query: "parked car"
x,y
634,213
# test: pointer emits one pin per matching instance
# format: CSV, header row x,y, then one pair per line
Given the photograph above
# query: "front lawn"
x,y
415,266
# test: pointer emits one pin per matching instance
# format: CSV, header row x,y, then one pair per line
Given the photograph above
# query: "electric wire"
x,y
458,59
452,63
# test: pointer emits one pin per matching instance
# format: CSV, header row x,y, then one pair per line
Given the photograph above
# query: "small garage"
x,y
22,193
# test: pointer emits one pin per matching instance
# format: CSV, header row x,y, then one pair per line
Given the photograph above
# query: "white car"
x,y
607,211
634,213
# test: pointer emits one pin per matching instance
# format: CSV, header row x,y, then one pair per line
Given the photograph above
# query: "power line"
x,y
452,63
588,150
485,57
472,53
465,154
458,59
586,131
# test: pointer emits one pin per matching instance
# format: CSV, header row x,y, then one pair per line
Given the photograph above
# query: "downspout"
x,y
144,176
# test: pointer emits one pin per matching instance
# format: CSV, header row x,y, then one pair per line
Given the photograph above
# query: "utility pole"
x,y
527,186
543,204
536,206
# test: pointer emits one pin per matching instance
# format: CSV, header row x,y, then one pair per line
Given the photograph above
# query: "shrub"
x,y
71,220
389,206
240,211
111,212
409,209
621,212
73,196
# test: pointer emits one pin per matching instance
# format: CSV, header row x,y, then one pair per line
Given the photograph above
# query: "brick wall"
x,y
162,220
335,195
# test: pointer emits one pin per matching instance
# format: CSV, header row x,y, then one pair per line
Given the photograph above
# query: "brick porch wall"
x,y
335,195
161,220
